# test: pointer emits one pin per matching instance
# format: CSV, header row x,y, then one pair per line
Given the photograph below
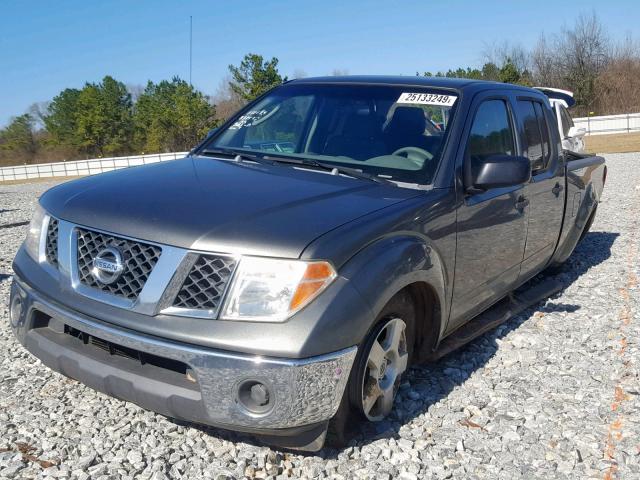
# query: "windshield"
x,y
395,133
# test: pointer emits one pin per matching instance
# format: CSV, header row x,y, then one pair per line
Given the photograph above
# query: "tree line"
x,y
603,74
110,118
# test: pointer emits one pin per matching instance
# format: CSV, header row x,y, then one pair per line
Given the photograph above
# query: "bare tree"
x,y
586,56
299,73
226,101
502,53
545,65
135,90
617,88
573,59
338,72
38,112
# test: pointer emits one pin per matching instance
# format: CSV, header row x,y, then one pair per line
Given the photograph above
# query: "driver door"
x,y
491,225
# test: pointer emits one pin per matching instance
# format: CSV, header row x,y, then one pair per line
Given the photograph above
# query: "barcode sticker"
x,y
428,99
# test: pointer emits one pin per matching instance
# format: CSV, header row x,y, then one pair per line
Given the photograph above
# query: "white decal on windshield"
x,y
248,119
428,99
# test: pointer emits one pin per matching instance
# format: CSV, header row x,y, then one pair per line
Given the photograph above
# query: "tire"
x,y
394,331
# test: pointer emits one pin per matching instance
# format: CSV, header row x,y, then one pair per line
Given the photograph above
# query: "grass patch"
x,y
614,143
39,180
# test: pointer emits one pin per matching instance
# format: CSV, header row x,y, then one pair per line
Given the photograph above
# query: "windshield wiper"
x,y
351,172
271,159
237,155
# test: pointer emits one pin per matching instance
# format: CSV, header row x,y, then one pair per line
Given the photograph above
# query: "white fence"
x,y
625,123
82,167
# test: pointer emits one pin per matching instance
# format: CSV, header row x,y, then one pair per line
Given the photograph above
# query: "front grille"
x,y
51,245
204,286
139,259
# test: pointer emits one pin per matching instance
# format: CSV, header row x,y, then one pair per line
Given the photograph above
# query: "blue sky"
x,y
46,46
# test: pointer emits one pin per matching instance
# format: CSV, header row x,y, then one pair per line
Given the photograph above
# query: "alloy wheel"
x,y
387,361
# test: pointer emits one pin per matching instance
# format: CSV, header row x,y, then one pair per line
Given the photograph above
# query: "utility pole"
x,y
190,47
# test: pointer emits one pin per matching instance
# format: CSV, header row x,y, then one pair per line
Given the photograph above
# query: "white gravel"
x,y
554,393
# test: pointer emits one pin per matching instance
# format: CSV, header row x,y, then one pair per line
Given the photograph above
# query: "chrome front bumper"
x,y
306,391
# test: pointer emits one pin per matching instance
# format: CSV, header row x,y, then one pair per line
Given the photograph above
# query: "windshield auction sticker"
x,y
428,99
249,119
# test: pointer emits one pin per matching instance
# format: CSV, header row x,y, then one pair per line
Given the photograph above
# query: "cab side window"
x,y
544,131
491,132
535,134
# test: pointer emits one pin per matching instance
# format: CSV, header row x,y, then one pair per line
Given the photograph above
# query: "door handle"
x,y
521,203
557,189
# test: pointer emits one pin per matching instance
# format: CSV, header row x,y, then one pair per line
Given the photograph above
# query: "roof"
x,y
438,82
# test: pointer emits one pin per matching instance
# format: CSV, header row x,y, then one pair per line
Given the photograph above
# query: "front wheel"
x,y
383,358
386,362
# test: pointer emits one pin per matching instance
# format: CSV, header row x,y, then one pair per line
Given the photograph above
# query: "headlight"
x,y
269,289
32,242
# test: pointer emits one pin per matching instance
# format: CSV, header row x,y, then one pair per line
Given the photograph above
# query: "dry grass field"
x,y
615,143
38,180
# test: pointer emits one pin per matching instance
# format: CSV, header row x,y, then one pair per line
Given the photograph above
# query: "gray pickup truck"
x,y
283,277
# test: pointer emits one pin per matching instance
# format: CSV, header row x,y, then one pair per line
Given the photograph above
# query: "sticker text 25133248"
x,y
428,99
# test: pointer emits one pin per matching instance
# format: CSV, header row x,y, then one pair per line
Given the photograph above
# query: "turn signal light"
x,y
316,277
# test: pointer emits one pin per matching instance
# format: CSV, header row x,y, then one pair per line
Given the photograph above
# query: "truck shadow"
x,y
428,384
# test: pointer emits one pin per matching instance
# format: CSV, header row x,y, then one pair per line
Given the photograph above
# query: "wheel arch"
x,y
403,264
428,317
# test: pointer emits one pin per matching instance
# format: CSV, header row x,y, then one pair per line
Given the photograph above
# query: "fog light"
x,y
256,397
15,312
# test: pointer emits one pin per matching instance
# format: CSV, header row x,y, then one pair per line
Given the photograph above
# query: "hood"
x,y
218,205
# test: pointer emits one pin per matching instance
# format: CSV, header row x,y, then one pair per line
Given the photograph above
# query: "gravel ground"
x,y
554,393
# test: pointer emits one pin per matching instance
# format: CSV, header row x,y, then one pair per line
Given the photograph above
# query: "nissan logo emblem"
x,y
108,265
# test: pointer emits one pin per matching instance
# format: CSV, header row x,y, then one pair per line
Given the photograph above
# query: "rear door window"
x,y
535,134
544,131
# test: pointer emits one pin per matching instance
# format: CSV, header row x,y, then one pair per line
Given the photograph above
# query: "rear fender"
x,y
585,179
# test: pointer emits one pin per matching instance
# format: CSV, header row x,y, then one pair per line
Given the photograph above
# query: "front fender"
x,y
386,266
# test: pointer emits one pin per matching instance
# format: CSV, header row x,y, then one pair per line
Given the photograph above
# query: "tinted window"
x,y
535,135
544,130
532,137
491,132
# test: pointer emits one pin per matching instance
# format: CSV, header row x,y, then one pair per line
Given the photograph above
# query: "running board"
x,y
517,301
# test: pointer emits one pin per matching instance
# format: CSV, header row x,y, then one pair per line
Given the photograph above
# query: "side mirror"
x,y
498,171
575,132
